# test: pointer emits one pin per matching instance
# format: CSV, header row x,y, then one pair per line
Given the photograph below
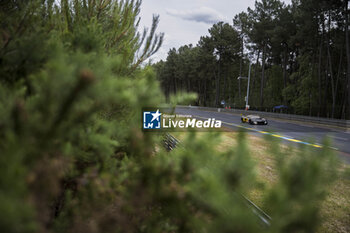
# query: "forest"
x,y
74,79
299,55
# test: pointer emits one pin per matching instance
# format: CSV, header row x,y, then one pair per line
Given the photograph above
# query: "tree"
x,y
263,18
225,42
69,90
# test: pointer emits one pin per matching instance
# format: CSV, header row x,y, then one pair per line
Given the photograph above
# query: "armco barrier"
x,y
345,124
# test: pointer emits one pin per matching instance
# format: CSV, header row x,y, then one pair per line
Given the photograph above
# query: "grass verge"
x,y
335,209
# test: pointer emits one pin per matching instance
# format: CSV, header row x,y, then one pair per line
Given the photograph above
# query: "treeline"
x,y
299,53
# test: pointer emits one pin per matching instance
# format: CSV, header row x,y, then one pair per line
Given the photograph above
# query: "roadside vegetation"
x,y
335,209
299,53
73,157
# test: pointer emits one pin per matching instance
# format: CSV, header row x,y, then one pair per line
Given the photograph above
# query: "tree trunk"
x,y
229,90
205,93
312,75
332,81
240,71
319,81
217,84
310,103
224,87
175,88
319,74
324,104
254,77
330,64
285,67
262,77
347,54
200,93
339,72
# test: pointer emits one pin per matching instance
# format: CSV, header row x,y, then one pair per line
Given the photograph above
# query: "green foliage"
x,y
304,86
73,156
274,82
295,198
199,69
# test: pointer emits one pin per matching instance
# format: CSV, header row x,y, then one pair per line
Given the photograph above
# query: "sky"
x,y
185,21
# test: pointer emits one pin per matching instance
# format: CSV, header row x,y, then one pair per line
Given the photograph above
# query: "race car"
x,y
253,120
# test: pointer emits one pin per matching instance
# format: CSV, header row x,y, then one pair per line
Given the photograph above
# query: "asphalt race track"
x,y
288,132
